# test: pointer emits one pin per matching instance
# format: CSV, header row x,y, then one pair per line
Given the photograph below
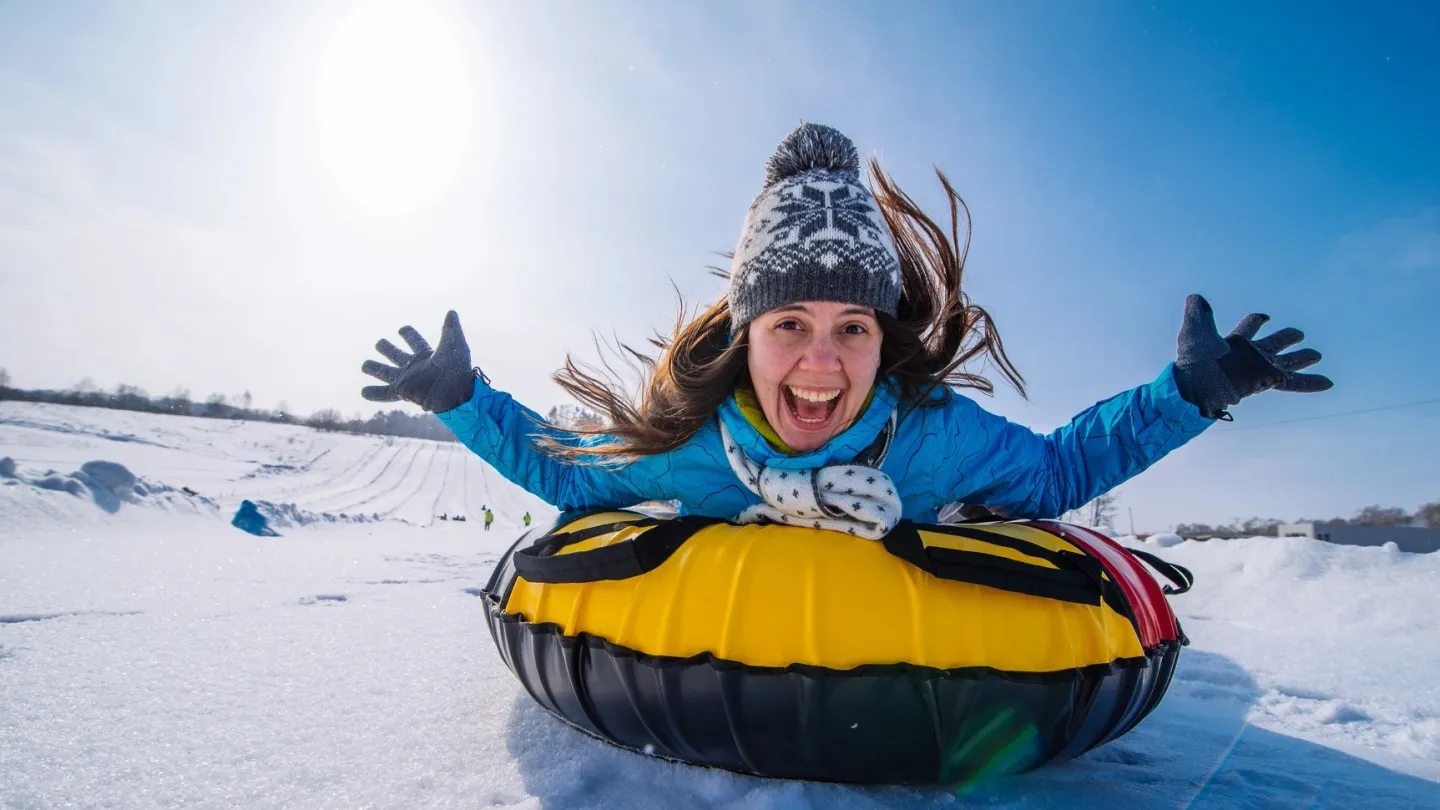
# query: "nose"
x,y
821,355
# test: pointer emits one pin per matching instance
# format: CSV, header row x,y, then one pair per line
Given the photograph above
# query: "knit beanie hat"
x,y
813,234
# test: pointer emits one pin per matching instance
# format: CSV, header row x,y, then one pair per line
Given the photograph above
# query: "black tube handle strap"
x,y
645,552
1076,577
1178,574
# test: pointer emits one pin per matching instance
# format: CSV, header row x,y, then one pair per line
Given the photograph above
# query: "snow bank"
x,y
1339,639
1164,539
36,499
289,515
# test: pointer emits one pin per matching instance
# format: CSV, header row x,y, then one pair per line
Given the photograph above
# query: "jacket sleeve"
x,y
499,430
1008,466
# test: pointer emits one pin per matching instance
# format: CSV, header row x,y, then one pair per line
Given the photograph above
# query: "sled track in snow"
x,y
406,476
364,490
352,491
88,432
420,481
285,468
440,490
465,469
326,487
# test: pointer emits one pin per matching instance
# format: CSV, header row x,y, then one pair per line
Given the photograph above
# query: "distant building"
x,y
1413,539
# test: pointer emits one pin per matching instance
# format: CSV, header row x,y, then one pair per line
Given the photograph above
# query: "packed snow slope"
x,y
153,656
318,476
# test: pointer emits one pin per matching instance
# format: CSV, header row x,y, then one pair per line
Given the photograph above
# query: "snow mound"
x,y
1165,539
288,515
54,497
109,476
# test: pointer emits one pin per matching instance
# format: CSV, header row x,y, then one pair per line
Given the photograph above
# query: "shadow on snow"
x,y
1195,751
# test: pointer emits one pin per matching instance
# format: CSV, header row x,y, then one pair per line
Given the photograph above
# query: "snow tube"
x,y
941,654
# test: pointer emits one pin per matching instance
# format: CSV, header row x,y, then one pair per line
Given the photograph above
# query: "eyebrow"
x,y
845,311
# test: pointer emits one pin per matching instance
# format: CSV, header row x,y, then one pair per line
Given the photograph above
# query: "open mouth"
x,y
811,408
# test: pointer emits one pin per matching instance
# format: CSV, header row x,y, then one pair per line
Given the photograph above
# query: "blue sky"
x,y
245,196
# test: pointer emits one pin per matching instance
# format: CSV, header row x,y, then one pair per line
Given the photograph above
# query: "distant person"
x,y
824,390
489,518
527,518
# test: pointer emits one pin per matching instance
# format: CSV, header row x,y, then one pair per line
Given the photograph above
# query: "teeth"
x,y
814,396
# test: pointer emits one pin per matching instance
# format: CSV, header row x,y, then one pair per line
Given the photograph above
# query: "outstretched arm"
x,y
495,426
500,430
1026,474
1029,475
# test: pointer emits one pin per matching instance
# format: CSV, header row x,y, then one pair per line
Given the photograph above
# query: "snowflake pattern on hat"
x,y
812,218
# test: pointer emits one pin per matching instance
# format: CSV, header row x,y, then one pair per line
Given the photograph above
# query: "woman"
x,y
819,392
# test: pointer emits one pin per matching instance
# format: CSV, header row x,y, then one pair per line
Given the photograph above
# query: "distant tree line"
x,y
1250,527
240,407
179,402
1427,515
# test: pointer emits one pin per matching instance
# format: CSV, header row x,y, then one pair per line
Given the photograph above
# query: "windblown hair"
x,y
935,333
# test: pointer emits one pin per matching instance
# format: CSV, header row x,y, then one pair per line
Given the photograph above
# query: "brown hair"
x,y
935,331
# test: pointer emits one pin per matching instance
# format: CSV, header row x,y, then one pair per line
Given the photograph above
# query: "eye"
x,y
788,324
855,329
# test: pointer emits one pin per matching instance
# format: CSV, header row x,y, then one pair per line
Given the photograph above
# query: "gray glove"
x,y
435,379
1214,373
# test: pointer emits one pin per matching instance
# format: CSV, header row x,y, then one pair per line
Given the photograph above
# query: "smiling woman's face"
x,y
813,365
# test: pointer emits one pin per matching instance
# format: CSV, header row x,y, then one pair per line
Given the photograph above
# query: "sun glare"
x,y
393,104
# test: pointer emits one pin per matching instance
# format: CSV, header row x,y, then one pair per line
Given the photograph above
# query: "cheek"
x,y
862,365
767,364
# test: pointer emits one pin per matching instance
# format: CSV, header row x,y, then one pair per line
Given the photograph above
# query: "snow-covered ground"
x,y
153,656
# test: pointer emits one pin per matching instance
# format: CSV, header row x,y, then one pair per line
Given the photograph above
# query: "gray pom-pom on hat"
x,y
810,147
814,233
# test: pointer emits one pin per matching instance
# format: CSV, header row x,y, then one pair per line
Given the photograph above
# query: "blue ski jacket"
x,y
944,451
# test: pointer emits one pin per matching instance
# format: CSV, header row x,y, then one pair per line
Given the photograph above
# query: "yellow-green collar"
x,y
755,415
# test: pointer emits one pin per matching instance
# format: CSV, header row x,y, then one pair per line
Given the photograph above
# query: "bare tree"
x,y
4,378
1099,512
246,399
326,419
1429,515
177,401
1375,515
1259,527
573,416
1104,509
131,397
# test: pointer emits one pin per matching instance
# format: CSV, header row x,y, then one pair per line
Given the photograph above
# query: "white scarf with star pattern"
x,y
855,498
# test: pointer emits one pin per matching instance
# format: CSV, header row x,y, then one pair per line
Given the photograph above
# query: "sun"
x,y
393,104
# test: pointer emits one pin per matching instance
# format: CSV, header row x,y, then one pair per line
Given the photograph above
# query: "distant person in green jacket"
x,y
489,518
527,518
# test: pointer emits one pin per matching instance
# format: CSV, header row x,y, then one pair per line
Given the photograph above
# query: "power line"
x,y
1334,415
